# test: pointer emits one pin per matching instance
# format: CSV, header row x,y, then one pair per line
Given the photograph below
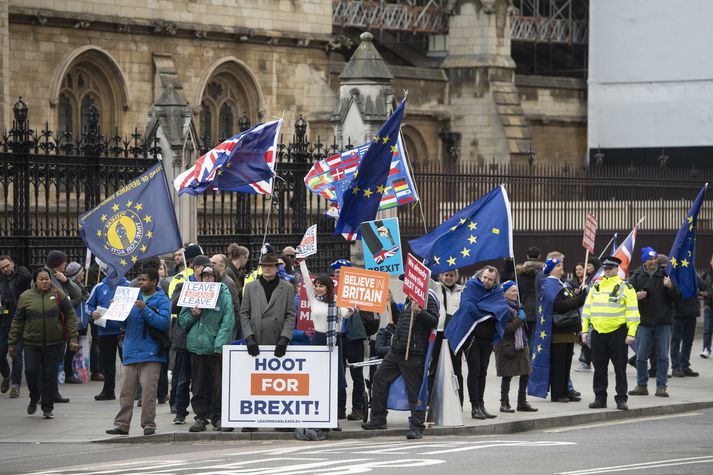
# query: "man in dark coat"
x,y
396,364
14,280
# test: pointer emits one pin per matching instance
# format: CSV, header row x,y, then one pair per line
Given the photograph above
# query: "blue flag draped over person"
x,y
479,232
136,222
539,382
363,197
476,305
682,258
243,163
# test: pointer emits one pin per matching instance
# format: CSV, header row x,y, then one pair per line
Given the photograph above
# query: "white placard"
x,y
297,390
308,246
101,321
123,302
199,294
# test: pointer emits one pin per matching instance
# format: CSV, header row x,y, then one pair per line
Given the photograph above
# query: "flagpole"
x,y
413,177
272,190
600,255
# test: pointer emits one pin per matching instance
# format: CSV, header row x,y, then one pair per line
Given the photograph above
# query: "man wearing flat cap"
x,y
612,310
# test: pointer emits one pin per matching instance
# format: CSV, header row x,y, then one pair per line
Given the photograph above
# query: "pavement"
x,y
85,420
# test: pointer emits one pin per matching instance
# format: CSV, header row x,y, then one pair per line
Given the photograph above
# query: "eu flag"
x,y
362,198
136,222
479,232
682,261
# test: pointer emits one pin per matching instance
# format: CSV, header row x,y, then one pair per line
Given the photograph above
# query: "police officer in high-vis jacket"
x,y
612,310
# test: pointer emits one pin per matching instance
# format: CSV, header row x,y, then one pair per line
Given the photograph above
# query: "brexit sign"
x,y
266,391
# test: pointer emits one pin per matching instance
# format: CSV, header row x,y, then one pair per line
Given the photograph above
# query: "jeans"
x,y
180,382
684,330
4,366
41,371
658,337
707,328
206,371
320,339
17,363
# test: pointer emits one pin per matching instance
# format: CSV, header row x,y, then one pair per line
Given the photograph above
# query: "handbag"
x,y
568,319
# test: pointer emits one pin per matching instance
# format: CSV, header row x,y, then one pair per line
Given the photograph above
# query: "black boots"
x,y
486,413
505,406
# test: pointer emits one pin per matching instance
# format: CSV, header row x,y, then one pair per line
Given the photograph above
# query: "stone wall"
x,y
556,110
304,16
292,79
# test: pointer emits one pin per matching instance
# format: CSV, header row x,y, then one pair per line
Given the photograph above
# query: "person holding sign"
x,y
395,364
143,354
208,329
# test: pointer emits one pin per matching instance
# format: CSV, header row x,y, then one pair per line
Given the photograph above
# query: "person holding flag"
x,y
612,309
412,369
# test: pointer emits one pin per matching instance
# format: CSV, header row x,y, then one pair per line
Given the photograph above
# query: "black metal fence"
x,y
48,179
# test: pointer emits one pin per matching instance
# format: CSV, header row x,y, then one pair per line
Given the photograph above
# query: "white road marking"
x,y
617,423
643,465
500,443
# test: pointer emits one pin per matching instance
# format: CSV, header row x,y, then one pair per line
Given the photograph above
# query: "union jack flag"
x,y
243,163
624,253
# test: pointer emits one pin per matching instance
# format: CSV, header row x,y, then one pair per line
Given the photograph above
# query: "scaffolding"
x,y
418,16
549,21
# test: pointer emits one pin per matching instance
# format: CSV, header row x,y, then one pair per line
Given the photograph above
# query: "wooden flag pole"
x,y
584,278
410,328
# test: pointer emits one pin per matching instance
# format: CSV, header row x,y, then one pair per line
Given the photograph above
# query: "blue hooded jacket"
x,y
139,346
101,296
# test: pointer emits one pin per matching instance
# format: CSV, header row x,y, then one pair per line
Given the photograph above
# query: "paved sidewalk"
x,y
85,420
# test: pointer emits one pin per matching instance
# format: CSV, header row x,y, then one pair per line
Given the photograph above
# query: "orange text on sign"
x,y
283,384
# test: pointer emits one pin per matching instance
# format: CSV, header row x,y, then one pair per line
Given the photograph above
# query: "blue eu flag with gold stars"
x,y
682,261
136,222
362,198
479,232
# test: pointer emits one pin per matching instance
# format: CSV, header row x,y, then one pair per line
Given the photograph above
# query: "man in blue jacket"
x,y
143,354
101,296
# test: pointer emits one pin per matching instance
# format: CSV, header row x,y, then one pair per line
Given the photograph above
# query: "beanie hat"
x,y
200,260
648,253
72,269
507,284
55,259
340,263
192,250
550,264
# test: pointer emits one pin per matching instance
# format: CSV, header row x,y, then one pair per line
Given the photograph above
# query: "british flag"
x,y
243,163
330,177
624,253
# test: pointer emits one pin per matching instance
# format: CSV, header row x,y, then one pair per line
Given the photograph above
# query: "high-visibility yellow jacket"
x,y
610,304
179,278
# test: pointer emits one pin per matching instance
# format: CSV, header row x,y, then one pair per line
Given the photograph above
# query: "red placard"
x,y
416,277
590,232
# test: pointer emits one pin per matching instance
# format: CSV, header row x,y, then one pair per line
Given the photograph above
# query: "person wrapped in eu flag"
x,y
557,328
478,324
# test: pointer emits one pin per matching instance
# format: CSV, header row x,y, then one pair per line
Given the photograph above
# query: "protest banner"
x,y
416,278
304,311
367,289
590,233
381,243
297,390
199,294
123,302
308,246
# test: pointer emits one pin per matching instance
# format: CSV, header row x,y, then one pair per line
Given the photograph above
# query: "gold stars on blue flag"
x,y
459,241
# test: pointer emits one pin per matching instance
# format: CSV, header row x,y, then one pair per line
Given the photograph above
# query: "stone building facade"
x,y
269,58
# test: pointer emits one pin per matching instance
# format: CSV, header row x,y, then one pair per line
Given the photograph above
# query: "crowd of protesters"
x,y
171,354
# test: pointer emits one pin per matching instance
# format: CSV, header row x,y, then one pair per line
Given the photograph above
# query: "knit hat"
x,y
507,284
200,260
72,269
56,259
648,253
550,264
191,251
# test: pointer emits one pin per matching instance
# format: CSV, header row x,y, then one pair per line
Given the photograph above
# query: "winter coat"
x,y
565,301
526,287
37,319
383,340
509,361
708,279
423,323
213,328
689,308
139,345
101,296
657,307
449,302
10,290
268,321
178,333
